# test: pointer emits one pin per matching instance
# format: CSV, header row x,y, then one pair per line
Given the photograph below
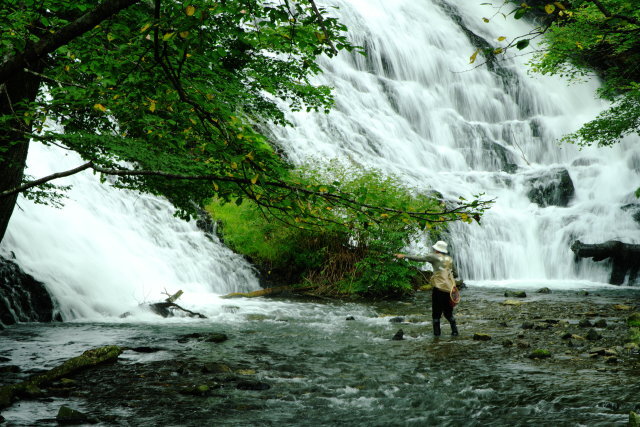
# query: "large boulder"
x,y
552,187
22,298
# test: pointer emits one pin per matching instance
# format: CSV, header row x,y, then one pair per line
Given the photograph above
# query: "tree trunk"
x,y
19,91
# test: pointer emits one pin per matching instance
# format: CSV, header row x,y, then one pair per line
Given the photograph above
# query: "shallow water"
x,y
325,370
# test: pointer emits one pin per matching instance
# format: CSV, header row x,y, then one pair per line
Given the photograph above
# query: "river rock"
x,y
70,416
398,336
350,318
515,294
544,290
216,368
396,319
593,335
252,385
552,187
528,325
512,302
481,337
601,323
585,323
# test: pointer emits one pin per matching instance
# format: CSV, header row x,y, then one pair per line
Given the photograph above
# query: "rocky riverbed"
x,y
562,357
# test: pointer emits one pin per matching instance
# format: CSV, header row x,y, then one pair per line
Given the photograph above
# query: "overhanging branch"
x,y
338,198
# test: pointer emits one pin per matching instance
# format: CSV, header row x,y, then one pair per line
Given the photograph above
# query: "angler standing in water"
x,y
444,294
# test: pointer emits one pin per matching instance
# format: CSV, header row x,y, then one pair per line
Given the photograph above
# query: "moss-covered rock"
x,y
540,353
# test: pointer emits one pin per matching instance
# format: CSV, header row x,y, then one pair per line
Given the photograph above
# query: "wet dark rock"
x,y
585,323
350,318
4,359
507,343
552,187
593,335
600,323
145,349
583,293
567,336
515,294
614,406
598,351
396,319
481,337
523,344
398,336
544,290
253,385
215,337
23,298
542,326
70,416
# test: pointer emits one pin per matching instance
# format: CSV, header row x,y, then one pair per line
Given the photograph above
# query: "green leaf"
x,y
522,44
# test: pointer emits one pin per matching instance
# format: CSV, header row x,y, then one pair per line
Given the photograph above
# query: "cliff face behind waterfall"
x,y
412,106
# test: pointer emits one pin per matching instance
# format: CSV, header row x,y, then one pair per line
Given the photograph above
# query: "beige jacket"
x,y
443,270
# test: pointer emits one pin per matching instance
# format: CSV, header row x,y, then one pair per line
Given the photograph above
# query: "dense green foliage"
x,y
580,38
346,256
168,97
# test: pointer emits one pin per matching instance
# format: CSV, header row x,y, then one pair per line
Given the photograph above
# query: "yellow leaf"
x,y
234,165
152,106
167,36
255,179
145,27
67,68
110,37
549,8
215,186
485,19
190,10
384,215
497,51
249,156
501,38
472,59
184,34
559,5
209,96
100,107
579,45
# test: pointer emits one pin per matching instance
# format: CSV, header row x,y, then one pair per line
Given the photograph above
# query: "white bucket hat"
x,y
440,246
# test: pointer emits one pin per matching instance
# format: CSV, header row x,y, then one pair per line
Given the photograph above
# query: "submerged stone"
x,y
398,336
70,416
544,290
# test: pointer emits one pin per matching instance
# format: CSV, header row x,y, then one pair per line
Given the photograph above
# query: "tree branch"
x,y
608,14
34,53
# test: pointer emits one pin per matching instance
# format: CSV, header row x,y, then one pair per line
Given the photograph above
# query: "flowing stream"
x,y
415,107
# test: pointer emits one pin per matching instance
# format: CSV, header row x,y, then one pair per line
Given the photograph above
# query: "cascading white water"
x,y
415,107
108,250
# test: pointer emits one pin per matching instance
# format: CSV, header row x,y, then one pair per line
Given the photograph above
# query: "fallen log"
x,y
625,258
31,386
267,291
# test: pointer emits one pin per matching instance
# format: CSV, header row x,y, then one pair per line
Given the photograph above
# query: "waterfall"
x,y
108,250
415,107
